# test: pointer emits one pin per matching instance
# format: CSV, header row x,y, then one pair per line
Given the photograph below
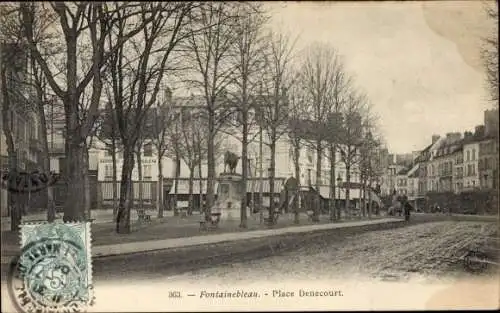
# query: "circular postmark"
x,y
50,275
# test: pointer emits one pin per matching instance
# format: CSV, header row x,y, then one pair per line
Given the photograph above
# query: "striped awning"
x,y
324,191
253,185
183,187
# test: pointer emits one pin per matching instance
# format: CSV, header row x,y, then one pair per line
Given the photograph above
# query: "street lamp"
x,y
339,181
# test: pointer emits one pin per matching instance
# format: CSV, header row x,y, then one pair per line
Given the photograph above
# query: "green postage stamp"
x,y
54,270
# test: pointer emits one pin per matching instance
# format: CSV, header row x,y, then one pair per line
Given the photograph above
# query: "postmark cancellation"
x,y
54,270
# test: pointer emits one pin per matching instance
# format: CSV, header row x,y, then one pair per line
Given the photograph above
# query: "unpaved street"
x,y
427,250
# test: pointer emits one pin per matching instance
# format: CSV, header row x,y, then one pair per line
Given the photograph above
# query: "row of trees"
x,y
118,57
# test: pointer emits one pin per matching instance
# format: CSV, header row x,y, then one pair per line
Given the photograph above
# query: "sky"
x,y
417,62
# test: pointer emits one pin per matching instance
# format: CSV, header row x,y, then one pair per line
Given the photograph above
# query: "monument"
x,y
230,191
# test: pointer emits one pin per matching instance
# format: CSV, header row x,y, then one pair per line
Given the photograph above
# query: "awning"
x,y
252,186
324,191
183,186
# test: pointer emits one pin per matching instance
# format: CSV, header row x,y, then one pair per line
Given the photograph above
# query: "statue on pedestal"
x,y
231,161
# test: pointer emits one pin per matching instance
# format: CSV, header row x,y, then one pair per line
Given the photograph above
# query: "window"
x,y
473,154
108,171
148,150
107,153
147,172
310,154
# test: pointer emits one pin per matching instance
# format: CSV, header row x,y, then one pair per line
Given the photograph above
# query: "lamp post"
x,y
339,181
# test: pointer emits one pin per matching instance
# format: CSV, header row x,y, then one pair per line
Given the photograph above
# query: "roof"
x,y
413,172
449,148
404,171
423,155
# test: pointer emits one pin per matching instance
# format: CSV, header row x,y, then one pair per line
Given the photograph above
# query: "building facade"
x,y
22,114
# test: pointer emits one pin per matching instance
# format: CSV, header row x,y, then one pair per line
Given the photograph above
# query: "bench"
x,y
211,223
143,216
310,215
273,219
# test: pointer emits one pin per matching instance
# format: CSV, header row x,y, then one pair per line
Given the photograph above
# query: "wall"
x,y
471,171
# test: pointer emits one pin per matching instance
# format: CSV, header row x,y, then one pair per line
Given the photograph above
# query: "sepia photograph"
x,y
249,156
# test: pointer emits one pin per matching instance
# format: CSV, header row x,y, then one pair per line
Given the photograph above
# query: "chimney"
x,y
435,138
479,131
453,137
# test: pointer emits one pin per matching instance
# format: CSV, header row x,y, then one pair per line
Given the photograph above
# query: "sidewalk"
x,y
137,247
178,232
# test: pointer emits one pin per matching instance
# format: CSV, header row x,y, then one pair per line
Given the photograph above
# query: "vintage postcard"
x,y
243,156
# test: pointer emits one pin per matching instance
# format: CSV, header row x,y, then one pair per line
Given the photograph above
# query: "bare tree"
x,y
161,121
369,168
174,151
248,64
318,74
85,26
275,111
136,81
208,50
190,129
108,134
490,52
296,129
351,141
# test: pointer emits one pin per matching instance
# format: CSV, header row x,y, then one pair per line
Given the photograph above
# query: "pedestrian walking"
x,y
407,208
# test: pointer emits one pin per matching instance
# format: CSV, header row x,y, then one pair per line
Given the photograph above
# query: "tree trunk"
x,y
363,199
261,174
369,198
332,182
244,170
139,172
347,189
51,213
296,201
159,188
271,181
210,164
200,182
114,179
124,206
74,208
86,181
176,184
191,185
319,159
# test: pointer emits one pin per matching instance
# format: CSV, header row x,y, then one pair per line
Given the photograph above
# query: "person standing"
x,y
407,208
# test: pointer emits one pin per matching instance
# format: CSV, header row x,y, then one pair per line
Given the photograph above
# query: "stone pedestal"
x,y
229,195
